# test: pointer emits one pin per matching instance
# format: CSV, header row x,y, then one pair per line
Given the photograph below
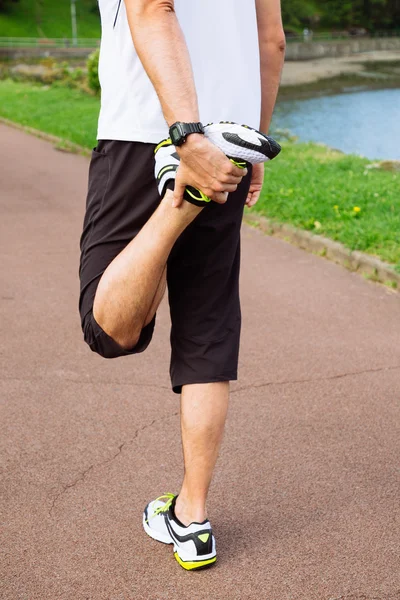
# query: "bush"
x,y
93,71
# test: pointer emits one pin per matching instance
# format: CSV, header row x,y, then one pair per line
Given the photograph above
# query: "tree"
x,y
343,14
5,4
297,13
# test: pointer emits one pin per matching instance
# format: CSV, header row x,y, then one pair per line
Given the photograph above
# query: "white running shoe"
x,y
194,546
240,143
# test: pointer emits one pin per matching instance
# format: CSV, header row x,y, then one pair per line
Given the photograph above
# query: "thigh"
x,y
203,285
122,195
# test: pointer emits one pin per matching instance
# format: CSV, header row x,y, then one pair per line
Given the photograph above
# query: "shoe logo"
x,y
204,537
268,147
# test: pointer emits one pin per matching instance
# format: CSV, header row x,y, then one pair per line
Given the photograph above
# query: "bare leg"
x,y
203,414
159,295
130,289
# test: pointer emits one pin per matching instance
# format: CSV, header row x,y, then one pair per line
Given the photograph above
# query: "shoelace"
x,y
165,507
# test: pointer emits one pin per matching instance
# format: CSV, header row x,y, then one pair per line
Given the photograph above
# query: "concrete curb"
x,y
59,143
371,267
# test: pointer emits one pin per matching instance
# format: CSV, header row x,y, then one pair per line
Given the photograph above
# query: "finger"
x,y
231,179
254,199
178,194
249,199
219,197
234,170
230,169
230,187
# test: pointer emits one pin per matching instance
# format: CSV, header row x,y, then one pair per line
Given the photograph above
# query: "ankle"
x,y
186,212
189,512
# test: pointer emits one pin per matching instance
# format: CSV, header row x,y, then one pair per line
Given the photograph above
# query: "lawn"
x,y
337,195
308,185
61,111
49,18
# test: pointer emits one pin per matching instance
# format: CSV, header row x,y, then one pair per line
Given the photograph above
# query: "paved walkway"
x,y
305,502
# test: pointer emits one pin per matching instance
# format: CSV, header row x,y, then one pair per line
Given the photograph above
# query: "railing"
x,y
306,36
356,34
26,42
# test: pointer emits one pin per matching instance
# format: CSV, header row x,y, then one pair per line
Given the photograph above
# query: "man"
x,y
164,63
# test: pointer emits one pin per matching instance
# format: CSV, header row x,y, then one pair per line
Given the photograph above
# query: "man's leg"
x,y
203,278
203,414
132,286
203,290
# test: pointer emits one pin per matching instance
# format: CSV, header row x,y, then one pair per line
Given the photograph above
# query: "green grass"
x,y
336,195
61,111
49,18
308,185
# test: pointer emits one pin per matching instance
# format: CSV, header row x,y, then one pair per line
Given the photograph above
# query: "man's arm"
x,y
162,49
272,53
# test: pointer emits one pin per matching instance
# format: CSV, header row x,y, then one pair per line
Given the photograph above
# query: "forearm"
x,y
162,49
272,54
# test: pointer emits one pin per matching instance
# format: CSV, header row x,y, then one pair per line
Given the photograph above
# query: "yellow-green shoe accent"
x,y
204,537
169,498
196,194
240,164
198,564
167,142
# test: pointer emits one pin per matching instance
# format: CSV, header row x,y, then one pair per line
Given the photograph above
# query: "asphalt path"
x,y
305,500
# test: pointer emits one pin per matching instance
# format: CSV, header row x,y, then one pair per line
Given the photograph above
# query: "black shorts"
x,y
202,271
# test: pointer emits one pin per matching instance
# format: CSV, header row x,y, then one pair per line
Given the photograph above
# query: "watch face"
x,y
176,135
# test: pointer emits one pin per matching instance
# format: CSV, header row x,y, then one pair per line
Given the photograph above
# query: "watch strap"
x,y
193,128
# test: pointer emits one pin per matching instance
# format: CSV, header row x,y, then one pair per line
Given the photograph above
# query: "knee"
x,y
115,343
112,346
107,347
116,334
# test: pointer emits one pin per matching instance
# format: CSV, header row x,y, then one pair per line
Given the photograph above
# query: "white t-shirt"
x,y
222,39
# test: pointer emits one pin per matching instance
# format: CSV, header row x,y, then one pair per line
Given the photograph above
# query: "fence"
x,y
356,34
47,43
306,36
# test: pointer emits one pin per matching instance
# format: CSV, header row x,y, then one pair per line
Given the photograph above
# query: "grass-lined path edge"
x,y
59,143
371,267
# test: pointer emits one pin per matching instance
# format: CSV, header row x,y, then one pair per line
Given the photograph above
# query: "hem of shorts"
x,y
177,387
145,137
138,348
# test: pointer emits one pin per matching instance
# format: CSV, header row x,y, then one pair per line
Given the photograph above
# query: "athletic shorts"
x,y
202,270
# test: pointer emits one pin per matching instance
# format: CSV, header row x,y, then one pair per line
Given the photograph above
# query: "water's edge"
x,y
377,75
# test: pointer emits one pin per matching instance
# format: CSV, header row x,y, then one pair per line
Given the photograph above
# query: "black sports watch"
x,y
178,132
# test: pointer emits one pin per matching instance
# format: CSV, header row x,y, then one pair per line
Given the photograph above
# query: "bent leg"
x,y
125,297
159,295
125,243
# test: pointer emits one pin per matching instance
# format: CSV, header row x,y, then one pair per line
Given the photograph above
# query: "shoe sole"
x,y
195,564
187,565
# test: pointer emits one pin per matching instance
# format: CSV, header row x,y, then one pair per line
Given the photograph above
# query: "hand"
x,y
257,180
206,168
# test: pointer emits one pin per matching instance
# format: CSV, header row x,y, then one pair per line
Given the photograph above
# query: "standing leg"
x,y
203,414
203,286
203,278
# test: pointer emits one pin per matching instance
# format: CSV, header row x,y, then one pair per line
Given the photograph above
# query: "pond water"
x,y
366,123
